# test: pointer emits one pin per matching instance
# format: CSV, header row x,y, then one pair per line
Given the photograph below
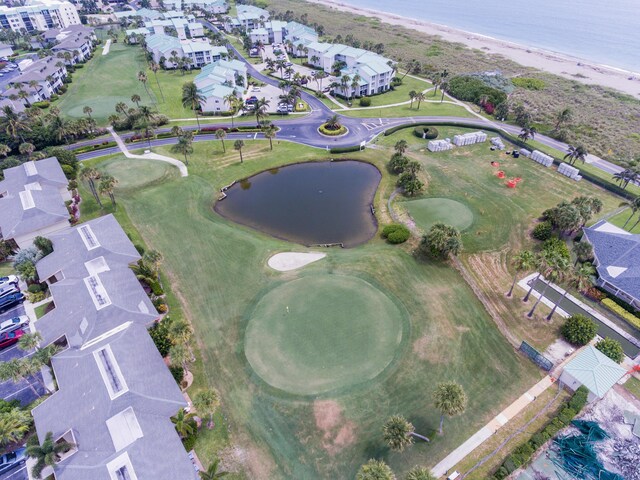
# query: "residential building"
x,y
593,369
39,16
617,260
299,34
375,71
32,197
49,73
248,18
77,40
185,26
210,6
201,52
144,13
114,402
219,80
273,31
5,50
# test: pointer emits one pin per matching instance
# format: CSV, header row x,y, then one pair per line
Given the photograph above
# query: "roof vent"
x,y
30,168
89,239
27,200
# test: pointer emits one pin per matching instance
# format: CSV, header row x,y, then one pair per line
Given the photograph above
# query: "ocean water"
x,y
604,32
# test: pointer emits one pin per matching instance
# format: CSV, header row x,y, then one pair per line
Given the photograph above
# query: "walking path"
x,y
107,47
148,156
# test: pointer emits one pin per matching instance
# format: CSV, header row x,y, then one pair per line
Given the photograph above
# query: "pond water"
x,y
308,203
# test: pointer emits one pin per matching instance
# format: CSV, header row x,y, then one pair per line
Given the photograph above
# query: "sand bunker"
x,y
286,261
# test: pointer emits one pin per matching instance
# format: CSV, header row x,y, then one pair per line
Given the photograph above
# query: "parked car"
x,y
255,89
10,279
14,324
288,64
11,460
10,300
9,338
8,289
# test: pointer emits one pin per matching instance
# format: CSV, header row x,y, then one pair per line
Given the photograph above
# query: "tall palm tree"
x,y
419,97
398,432
234,103
154,67
30,341
135,98
419,473
184,146
582,276
238,145
192,98
184,423
13,123
576,153
34,86
261,109
634,205
207,402
444,88
14,370
566,276
212,472
270,132
583,251
355,83
527,133
107,186
449,398
47,454
554,268
521,262
144,122
625,177
412,96
87,110
563,116
90,174
14,425
220,134
142,77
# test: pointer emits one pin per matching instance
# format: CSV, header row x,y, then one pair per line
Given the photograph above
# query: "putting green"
x,y
135,173
322,333
427,211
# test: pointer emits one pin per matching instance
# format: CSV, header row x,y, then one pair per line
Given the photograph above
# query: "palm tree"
x,y
206,403
238,145
261,109
333,122
419,97
527,133
444,88
234,103
624,177
135,98
13,123
107,186
401,146
47,454
563,116
144,122
419,473
521,262
450,399
554,268
4,150
153,258
567,277
184,423
375,470
634,205
14,370
355,83
34,86
399,433
583,251
582,276
220,134
192,98
270,133
14,425
412,96
576,153
184,146
90,174
26,149
154,67
142,77
212,472
30,341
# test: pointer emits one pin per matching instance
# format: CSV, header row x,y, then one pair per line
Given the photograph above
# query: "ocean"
x,y
606,32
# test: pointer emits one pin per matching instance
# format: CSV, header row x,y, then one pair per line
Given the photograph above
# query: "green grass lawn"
x,y
399,94
218,271
40,310
633,385
426,108
428,211
620,220
6,268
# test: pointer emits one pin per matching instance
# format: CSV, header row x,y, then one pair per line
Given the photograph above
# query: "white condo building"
x,y
39,15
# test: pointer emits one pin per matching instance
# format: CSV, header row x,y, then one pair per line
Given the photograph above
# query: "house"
x,y
5,50
593,369
32,197
77,40
49,74
249,17
39,16
617,260
114,403
299,34
272,32
374,71
210,6
218,80
162,47
144,13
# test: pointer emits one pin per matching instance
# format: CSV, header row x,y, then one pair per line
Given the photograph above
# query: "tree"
x,y
261,109
14,425
624,177
583,251
181,355
523,261
553,268
401,146
26,149
90,174
184,423
562,117
13,124
634,205
14,370
47,454
399,433
220,134
192,98
398,163
30,341
412,97
579,330
611,348
238,145
375,470
107,186
184,146
142,77
576,153
135,98
582,276
527,133
441,241
419,473
145,116
4,150
206,403
153,66
333,122
212,472
568,277
419,97
235,104
449,398
270,132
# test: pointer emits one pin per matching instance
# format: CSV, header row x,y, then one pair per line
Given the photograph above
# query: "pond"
x,y
313,203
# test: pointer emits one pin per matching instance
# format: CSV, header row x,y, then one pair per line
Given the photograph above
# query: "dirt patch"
x,y
337,432
426,348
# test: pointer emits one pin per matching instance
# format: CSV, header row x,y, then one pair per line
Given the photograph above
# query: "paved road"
x,y
18,473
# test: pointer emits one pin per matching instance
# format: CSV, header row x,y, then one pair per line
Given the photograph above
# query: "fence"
x,y
536,356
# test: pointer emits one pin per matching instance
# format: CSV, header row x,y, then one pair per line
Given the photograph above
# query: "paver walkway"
x,y
148,156
107,47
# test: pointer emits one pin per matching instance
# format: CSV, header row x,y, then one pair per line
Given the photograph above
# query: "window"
x,y
110,371
89,239
121,468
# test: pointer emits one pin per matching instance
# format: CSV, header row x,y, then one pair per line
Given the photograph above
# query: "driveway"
x,y
18,473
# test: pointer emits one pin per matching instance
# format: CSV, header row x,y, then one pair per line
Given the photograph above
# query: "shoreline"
x,y
566,66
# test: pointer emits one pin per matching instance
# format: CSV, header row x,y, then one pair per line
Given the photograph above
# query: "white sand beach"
x,y
552,62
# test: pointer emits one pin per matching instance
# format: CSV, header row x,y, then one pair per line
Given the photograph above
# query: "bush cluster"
x,y
557,246
471,89
355,148
522,454
365,102
622,312
41,105
611,348
579,330
326,131
426,132
528,83
542,231
160,335
396,233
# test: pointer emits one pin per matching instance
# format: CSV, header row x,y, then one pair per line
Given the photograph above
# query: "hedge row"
x,y
93,148
522,454
622,312
355,148
428,133
332,133
613,188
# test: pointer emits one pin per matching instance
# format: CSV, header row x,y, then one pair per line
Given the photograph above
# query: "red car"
x,y
10,338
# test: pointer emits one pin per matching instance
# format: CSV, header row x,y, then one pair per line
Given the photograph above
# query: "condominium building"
x,y
165,47
247,18
273,31
219,80
39,16
49,73
77,40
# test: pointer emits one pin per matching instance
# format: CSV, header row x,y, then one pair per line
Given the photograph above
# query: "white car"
x,y
8,279
255,89
14,324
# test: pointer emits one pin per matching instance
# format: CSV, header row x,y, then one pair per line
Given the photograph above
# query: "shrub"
x,y
542,231
611,348
34,288
618,310
472,89
139,248
41,105
53,98
190,441
160,335
156,288
36,297
594,294
426,132
365,102
528,83
579,330
554,244
566,415
396,233
398,163
355,148
62,89
178,373
579,399
162,308
332,133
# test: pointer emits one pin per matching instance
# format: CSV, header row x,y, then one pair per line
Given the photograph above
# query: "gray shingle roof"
x,y
71,250
38,71
617,255
84,405
46,171
48,209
